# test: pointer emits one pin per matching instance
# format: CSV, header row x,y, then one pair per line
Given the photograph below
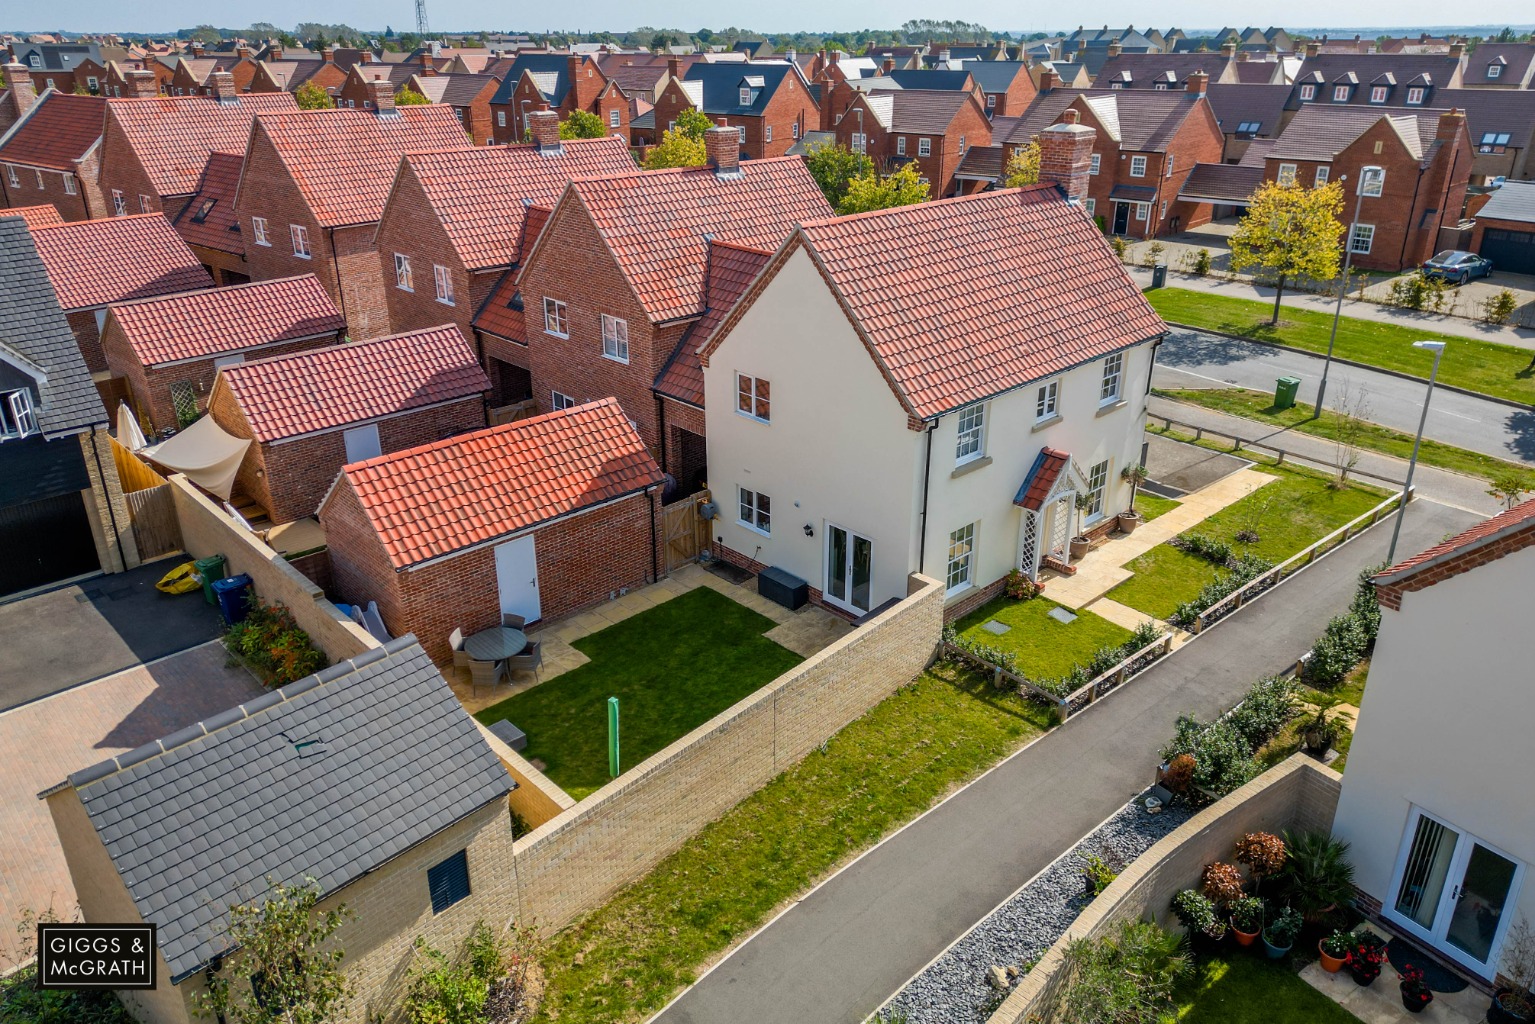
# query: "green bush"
x,y
1337,650
1125,977
1246,569
1223,761
1195,911
1269,704
1119,245
269,640
1210,549
1419,291
1496,309
454,990
1202,262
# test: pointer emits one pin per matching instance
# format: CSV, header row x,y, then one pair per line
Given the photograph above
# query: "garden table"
x,y
495,644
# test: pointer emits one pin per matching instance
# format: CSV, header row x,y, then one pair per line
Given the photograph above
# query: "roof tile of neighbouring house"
x,y
216,226
1519,519
926,111
456,90
480,195
444,497
1143,120
344,161
200,325
1235,105
1221,183
36,216
966,298
1514,201
173,135
324,388
1514,66
1145,70
321,779
1321,132
1036,487
656,222
1437,69
57,131
96,262
732,268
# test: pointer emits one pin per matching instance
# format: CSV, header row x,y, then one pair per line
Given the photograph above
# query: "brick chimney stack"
x,y
273,52
327,55
1243,57
1198,83
1066,155
674,67
1451,122
367,57
23,91
381,93
242,53
1048,80
544,127
1457,51
1115,49
1312,49
141,84
1228,50
723,144
197,49
223,85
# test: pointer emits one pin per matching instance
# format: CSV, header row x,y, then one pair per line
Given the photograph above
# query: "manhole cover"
x,y
993,626
1062,616
87,596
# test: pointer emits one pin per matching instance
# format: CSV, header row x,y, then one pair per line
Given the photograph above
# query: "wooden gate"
x,y
685,533
155,528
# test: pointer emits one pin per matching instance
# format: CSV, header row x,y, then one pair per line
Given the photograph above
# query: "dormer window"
x,y
1340,94
1307,92
1415,96
1377,94
1494,70
746,97
17,420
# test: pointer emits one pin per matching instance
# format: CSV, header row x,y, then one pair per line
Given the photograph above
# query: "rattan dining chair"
x,y
511,621
486,673
530,660
460,656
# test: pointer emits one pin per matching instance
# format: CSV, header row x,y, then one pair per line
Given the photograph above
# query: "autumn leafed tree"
x,y
582,124
1290,231
1022,167
311,96
834,167
870,191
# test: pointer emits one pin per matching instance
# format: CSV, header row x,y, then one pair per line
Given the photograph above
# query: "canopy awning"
x,y
209,457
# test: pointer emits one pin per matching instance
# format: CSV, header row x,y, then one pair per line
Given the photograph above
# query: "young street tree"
x,y
408,97
872,192
1022,167
582,124
676,149
311,96
1291,231
833,167
693,123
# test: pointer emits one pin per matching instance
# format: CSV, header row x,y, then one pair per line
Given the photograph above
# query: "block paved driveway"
x,y
841,951
43,741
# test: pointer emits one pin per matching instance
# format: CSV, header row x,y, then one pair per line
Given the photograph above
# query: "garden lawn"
x,y
1259,405
1242,988
1045,648
1152,505
624,961
1487,367
672,668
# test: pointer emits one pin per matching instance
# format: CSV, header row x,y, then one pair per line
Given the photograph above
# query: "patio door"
x,y
849,569
1451,890
517,578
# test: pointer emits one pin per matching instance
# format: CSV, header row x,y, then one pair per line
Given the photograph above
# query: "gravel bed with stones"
x,y
954,988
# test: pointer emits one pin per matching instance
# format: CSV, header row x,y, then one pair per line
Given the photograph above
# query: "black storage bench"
x,y
783,588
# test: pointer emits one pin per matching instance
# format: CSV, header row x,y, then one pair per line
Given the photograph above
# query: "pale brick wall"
x,y
111,522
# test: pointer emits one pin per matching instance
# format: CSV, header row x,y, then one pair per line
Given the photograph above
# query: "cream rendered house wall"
x,y
1445,724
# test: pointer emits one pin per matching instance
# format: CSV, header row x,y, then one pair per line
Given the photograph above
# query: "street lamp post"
x,y
1436,347
1369,176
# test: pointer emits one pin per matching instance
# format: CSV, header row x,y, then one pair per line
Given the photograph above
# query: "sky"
x,y
784,15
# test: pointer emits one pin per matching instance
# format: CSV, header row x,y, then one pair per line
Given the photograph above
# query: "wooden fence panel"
x,y
685,533
156,530
132,472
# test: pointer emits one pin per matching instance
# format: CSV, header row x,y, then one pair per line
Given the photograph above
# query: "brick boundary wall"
x,y
1295,794
578,860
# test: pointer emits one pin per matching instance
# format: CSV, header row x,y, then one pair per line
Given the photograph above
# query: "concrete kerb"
x,y
1361,366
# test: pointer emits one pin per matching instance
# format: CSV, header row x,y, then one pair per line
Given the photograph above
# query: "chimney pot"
x,y
197,49
381,92
544,127
723,144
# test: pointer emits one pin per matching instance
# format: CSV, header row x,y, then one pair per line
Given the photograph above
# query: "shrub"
x,y
1195,912
1126,977
1101,871
1247,914
1153,254
1317,873
1337,650
269,640
1180,772
1337,944
1496,309
1221,883
1209,548
1186,733
1365,607
1283,928
1268,705
1223,760
1418,291
1202,262
21,999
1246,569
1119,245
1019,587
1262,852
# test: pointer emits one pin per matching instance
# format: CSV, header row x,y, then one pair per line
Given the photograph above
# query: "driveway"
x,y
842,950
41,743
62,638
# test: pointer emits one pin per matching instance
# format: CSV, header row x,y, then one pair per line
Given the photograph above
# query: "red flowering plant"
x,y
1365,959
1415,991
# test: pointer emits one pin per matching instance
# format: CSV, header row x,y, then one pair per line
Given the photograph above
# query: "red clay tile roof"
x,y
344,161
216,227
966,298
43,216
323,388
479,194
173,135
59,130
200,325
732,268
1517,519
1047,469
444,497
96,262
501,315
654,222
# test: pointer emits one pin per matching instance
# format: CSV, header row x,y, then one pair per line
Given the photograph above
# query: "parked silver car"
x,y
1458,266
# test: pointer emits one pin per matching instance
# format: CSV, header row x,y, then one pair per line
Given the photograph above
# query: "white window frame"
x,y
119,203
754,398
92,83
970,434
1340,93
500,117
991,101
1361,233
1495,71
258,227
1372,187
10,173
961,145
69,184
21,420
443,279
1111,387
615,118
1137,167
1047,400
1378,93
556,318
794,131
1322,173
959,570
1287,174
745,96
559,400
402,276
1142,211
615,339
924,147
41,186
146,205
754,511
767,133
741,133
1307,92
1415,95
1095,164
900,145
300,236
1097,490
1168,173
859,143
1164,209
1091,205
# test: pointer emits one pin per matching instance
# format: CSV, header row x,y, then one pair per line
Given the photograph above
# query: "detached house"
x,y
560,82
770,105
537,518
311,412
52,155
1006,85
168,349
312,190
468,95
933,128
865,425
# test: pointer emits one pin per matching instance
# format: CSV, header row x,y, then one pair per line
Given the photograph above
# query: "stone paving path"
x,y
1381,1003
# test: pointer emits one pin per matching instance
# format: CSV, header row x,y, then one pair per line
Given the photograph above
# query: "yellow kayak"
x,y
181,580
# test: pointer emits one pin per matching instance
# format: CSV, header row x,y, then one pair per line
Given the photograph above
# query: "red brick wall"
x,y
1016,99
362,285
939,166
675,459
225,267
121,170
26,192
83,323
1197,141
1390,594
411,228
612,100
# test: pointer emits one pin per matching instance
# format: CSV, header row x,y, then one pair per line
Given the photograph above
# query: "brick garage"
x,y
418,531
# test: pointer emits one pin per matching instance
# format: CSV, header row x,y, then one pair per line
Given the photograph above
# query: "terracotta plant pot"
x,y
1079,548
1243,938
1330,964
1128,521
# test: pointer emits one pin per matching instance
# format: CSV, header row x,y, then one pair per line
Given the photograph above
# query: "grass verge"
x,y
1150,506
1242,988
1045,648
1502,371
623,961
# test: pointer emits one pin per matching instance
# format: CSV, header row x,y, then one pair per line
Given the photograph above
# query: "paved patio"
x,y
804,632
1381,1003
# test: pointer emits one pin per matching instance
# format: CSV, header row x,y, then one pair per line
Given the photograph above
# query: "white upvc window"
x,y
1113,379
1137,167
10,173
1097,484
900,145
859,143
119,204
924,147
444,282
767,133
961,145
1321,175
500,118
1168,173
258,225
146,204
1361,239
555,321
1094,164
1495,71
746,97
754,397
1091,204
1415,96
41,186
1307,92
300,236
741,134
1286,174
1164,209
991,101
69,184
615,118
558,401
794,131
1372,181
755,510
970,439
1340,94
1142,211
1377,94
1047,400
961,567
615,338
17,418
92,83
402,278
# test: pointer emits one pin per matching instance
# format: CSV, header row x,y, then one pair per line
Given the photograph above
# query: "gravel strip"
x,y
954,990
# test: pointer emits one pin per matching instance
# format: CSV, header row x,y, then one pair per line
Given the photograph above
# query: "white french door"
x,y
1454,891
849,569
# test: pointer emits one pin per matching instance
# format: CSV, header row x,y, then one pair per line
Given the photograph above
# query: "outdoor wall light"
x,y
809,530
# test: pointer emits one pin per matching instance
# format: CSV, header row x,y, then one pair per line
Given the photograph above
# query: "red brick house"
x,y
356,92
153,150
381,396
1006,85
291,75
560,82
468,95
312,190
208,223
169,348
607,293
454,223
52,155
770,105
933,127
95,263
539,518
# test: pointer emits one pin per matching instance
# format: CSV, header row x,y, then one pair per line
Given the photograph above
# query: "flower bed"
x,y
270,642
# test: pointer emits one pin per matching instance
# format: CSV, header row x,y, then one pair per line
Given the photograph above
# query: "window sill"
x,y
759,531
556,334
1108,407
1048,421
754,419
954,592
615,359
402,288
970,467
445,302
301,256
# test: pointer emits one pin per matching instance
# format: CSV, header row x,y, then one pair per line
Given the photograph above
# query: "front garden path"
x,y
1381,1003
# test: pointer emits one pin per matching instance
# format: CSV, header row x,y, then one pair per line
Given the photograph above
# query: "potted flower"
x,y
1365,959
1317,877
1515,1004
1246,919
1415,991
1334,949
1280,934
1129,519
1197,914
1081,542
1320,733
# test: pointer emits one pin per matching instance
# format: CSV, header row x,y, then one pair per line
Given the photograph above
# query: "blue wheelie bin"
x,y
233,596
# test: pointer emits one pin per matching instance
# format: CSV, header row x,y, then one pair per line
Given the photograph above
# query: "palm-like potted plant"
x,y
1317,876
1080,543
1280,934
1246,919
1515,1004
1134,475
1334,949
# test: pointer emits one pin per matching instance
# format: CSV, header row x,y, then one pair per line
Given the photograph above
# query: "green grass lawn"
x,y
672,668
1259,405
1152,505
1492,369
1044,647
623,961
1242,988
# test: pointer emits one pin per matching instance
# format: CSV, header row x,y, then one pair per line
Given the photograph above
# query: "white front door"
x,y
362,443
517,578
849,569
1454,891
